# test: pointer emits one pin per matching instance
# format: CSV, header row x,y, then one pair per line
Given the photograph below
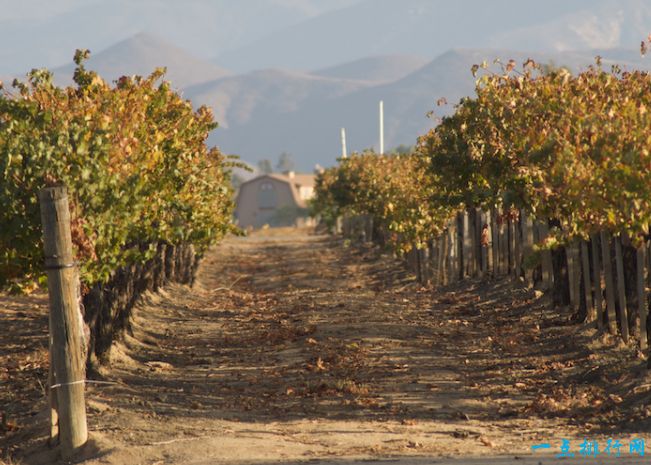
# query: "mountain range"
x,y
290,83
141,54
45,33
310,125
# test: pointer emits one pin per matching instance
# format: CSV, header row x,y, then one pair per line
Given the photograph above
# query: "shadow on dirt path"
x,y
293,346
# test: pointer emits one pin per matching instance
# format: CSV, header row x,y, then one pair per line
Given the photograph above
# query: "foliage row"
x,y
574,148
394,189
134,158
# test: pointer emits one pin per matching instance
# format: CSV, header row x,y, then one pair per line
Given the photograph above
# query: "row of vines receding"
x,y
543,174
139,174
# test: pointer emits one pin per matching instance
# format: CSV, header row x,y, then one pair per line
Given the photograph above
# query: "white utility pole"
x,y
381,127
344,154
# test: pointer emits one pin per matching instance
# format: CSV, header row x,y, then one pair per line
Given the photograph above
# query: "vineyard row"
x,y
542,175
147,196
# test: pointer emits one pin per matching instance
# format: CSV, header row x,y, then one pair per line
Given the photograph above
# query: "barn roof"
x,y
298,179
295,181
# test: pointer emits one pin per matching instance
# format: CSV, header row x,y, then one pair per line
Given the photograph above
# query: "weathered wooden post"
x,y
443,258
547,265
495,250
511,245
641,295
610,281
527,247
479,251
467,245
434,259
573,266
504,233
424,260
621,289
598,296
420,276
453,252
517,246
440,257
587,284
430,262
461,253
65,324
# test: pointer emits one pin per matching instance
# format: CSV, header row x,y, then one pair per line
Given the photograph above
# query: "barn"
x,y
275,199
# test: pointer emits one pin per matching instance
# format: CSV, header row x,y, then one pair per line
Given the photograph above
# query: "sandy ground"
x,y
298,348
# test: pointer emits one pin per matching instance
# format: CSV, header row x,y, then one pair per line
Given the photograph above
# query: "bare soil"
x,y
294,347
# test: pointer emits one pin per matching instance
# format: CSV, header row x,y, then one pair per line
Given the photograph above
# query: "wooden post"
x,y
528,241
511,244
449,253
434,257
483,252
446,257
441,259
621,289
427,258
504,244
495,250
461,255
65,330
647,263
572,275
485,248
412,260
596,279
467,245
430,262
587,285
610,282
517,251
546,259
423,265
452,253
472,254
507,229
478,249
641,295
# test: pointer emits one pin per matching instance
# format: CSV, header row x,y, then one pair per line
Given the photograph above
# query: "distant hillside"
x,y
381,27
266,95
309,126
386,68
141,54
604,24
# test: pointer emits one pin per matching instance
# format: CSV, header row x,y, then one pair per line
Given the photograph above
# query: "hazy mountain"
x,y
385,68
143,53
264,96
360,51
45,33
380,27
309,126
311,132
605,24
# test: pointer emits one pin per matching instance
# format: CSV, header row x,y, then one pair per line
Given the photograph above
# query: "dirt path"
x,y
294,347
